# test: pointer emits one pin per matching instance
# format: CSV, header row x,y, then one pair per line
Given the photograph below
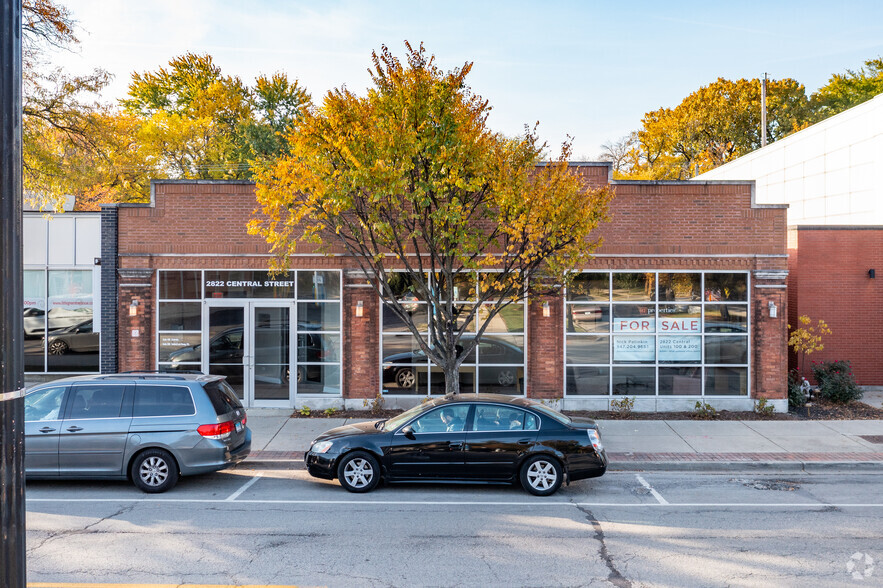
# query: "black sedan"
x,y
466,438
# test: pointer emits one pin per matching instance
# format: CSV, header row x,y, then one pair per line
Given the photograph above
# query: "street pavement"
x,y
280,440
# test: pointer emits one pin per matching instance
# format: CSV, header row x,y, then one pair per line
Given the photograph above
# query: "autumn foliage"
x,y
409,177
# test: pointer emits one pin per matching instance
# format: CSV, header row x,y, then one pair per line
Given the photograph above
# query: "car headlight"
x,y
321,446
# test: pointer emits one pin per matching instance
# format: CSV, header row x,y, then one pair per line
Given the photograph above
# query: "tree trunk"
x,y
452,379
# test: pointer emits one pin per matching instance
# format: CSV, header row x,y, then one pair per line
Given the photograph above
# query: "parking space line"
x,y
244,487
464,503
655,494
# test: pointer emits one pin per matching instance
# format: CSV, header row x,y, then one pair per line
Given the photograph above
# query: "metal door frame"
x,y
248,358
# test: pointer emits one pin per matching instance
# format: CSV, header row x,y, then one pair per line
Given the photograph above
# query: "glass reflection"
x,y
726,381
680,287
634,381
588,318
589,286
726,318
634,286
588,380
590,349
726,287
680,381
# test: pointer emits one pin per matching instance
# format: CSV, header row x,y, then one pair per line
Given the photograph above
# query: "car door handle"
x,y
74,429
524,442
46,430
455,445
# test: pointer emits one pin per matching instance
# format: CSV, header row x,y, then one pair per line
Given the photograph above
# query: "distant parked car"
x,y
466,438
491,350
79,338
149,428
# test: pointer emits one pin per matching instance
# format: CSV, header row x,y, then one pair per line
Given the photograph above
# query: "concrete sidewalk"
x,y
280,442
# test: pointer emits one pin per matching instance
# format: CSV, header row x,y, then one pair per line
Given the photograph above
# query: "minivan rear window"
x,y
153,400
222,396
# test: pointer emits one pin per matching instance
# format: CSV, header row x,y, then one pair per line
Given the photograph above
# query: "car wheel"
x,y
406,378
541,475
58,348
154,471
301,375
506,377
358,472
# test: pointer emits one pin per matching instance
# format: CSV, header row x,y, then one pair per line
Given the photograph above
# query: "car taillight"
x,y
216,431
244,419
595,438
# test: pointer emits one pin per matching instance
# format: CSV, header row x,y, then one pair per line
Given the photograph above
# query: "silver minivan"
x,y
148,427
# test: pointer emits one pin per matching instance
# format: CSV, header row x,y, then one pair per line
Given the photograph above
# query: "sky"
x,y
589,70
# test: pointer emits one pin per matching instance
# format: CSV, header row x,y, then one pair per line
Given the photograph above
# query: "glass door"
x,y
249,342
269,355
224,344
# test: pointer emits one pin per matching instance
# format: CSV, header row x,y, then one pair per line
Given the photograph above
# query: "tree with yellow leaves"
x,y
410,180
807,338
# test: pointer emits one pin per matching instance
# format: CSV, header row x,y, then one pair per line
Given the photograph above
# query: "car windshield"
x,y
550,413
397,421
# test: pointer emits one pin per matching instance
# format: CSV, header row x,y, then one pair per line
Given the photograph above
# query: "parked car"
x,y
491,350
466,438
79,338
149,428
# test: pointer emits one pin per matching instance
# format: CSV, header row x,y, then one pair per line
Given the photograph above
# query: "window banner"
x,y
639,348
680,325
675,348
634,325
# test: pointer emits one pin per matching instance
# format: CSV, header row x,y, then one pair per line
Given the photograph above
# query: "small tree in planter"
x,y
807,339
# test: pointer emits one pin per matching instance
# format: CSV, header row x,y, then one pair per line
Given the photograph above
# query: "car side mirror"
x,y
408,432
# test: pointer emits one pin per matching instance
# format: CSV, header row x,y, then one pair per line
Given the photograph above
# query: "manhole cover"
x,y
779,485
872,438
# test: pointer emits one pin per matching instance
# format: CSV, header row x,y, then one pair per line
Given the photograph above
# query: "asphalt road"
x,y
625,529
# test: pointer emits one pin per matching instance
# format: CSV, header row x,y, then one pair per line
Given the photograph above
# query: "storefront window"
x,y
495,366
72,341
246,320
666,333
35,320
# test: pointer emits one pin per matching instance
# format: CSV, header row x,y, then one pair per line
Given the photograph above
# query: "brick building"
x,y
831,177
684,301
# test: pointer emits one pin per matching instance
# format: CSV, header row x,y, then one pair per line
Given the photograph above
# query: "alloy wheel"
x,y
542,475
358,472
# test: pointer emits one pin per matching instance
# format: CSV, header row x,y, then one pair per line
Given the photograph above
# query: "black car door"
x,y
497,439
432,447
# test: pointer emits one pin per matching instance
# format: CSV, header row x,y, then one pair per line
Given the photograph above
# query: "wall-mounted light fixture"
x,y
360,309
546,310
133,307
774,311
872,274
96,261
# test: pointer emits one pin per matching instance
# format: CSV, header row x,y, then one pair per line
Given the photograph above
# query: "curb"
x,y
803,467
806,467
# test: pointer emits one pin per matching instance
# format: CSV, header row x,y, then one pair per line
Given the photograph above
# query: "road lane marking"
x,y
655,494
103,585
460,503
243,488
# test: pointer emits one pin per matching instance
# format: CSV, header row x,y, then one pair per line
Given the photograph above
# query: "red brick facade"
x,y
829,280
696,226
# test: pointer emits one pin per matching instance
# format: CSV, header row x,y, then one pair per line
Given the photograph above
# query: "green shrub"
x,y
305,411
703,410
763,407
836,382
329,412
623,407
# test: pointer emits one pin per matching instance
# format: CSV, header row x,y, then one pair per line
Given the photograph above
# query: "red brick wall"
x,y
830,281
654,226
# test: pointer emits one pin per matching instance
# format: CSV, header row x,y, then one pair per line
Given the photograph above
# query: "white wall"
x,y
829,174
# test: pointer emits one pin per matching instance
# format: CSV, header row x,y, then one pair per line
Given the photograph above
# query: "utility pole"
x,y
763,111
12,476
